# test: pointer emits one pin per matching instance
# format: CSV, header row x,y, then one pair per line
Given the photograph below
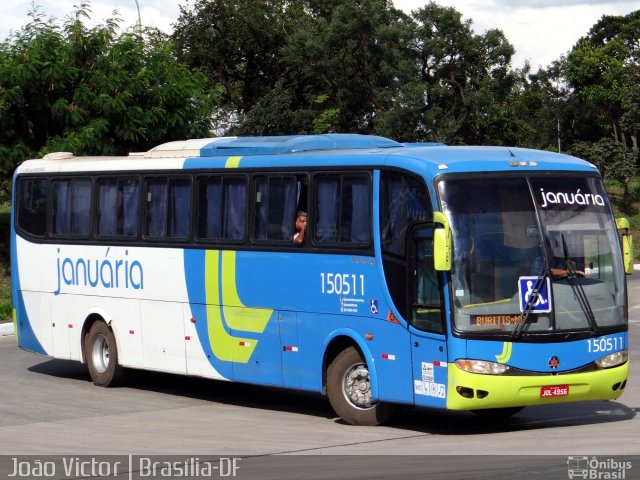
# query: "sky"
x,y
540,30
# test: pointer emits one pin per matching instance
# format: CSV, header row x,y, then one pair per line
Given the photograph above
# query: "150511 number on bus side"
x,y
342,284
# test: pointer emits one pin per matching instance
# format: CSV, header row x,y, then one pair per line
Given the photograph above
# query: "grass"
x,y
5,269
614,189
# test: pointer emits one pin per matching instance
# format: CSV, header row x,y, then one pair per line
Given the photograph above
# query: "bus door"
x,y
426,322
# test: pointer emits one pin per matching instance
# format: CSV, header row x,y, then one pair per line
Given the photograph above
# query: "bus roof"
x,y
329,150
241,146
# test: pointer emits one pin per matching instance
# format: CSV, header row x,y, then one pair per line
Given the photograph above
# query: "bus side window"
x,y
277,198
427,305
168,208
70,213
118,207
32,197
404,201
222,208
343,209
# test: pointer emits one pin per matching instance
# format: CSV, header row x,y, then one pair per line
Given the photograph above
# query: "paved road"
x,y
50,407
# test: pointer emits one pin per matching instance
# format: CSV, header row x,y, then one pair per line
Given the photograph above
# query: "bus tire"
x,y
349,390
497,413
101,354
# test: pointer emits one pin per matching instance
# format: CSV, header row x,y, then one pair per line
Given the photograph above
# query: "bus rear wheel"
x,y
101,354
349,390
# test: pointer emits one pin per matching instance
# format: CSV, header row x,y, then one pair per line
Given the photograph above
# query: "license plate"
x,y
554,391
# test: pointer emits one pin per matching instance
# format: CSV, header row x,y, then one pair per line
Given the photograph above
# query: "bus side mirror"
x,y
441,243
624,229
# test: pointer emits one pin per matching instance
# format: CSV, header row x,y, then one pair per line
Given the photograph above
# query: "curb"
x,y
6,329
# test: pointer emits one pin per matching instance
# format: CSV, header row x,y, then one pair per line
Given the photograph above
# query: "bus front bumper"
x,y
471,391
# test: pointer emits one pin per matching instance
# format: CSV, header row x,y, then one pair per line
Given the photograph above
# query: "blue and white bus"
x,y
467,278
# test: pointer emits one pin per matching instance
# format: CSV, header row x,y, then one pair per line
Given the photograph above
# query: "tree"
x,y
603,70
298,66
92,91
237,44
464,74
354,59
614,161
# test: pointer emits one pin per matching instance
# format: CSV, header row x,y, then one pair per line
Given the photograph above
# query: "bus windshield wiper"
x,y
576,286
533,300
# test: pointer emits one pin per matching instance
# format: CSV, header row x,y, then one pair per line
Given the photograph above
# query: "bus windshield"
x,y
510,233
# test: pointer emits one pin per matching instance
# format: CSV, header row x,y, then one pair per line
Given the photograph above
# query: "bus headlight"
x,y
613,359
481,366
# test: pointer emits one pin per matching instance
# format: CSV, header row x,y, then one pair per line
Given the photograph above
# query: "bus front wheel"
x,y
101,354
349,390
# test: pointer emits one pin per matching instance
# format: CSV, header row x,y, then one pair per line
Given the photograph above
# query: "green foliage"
x,y
94,91
464,75
377,70
237,44
614,161
260,67
423,77
5,274
604,70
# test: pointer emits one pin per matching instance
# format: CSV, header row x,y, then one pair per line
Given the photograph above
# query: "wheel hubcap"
x,y
100,354
357,387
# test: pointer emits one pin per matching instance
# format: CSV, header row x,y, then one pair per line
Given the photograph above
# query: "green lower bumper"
x,y
516,391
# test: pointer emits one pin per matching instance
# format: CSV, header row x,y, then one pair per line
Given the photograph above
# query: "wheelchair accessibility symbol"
x,y
542,303
373,306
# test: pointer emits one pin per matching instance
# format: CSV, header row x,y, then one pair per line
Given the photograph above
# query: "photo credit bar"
x,y
319,467
131,467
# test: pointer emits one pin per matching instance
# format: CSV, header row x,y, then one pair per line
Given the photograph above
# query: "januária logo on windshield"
x,y
577,198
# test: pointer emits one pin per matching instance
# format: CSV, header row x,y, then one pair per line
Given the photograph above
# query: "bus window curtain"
x,y
360,214
290,193
130,207
80,207
108,208
327,209
396,212
213,191
235,212
156,208
275,208
180,209
62,220
261,209
72,217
